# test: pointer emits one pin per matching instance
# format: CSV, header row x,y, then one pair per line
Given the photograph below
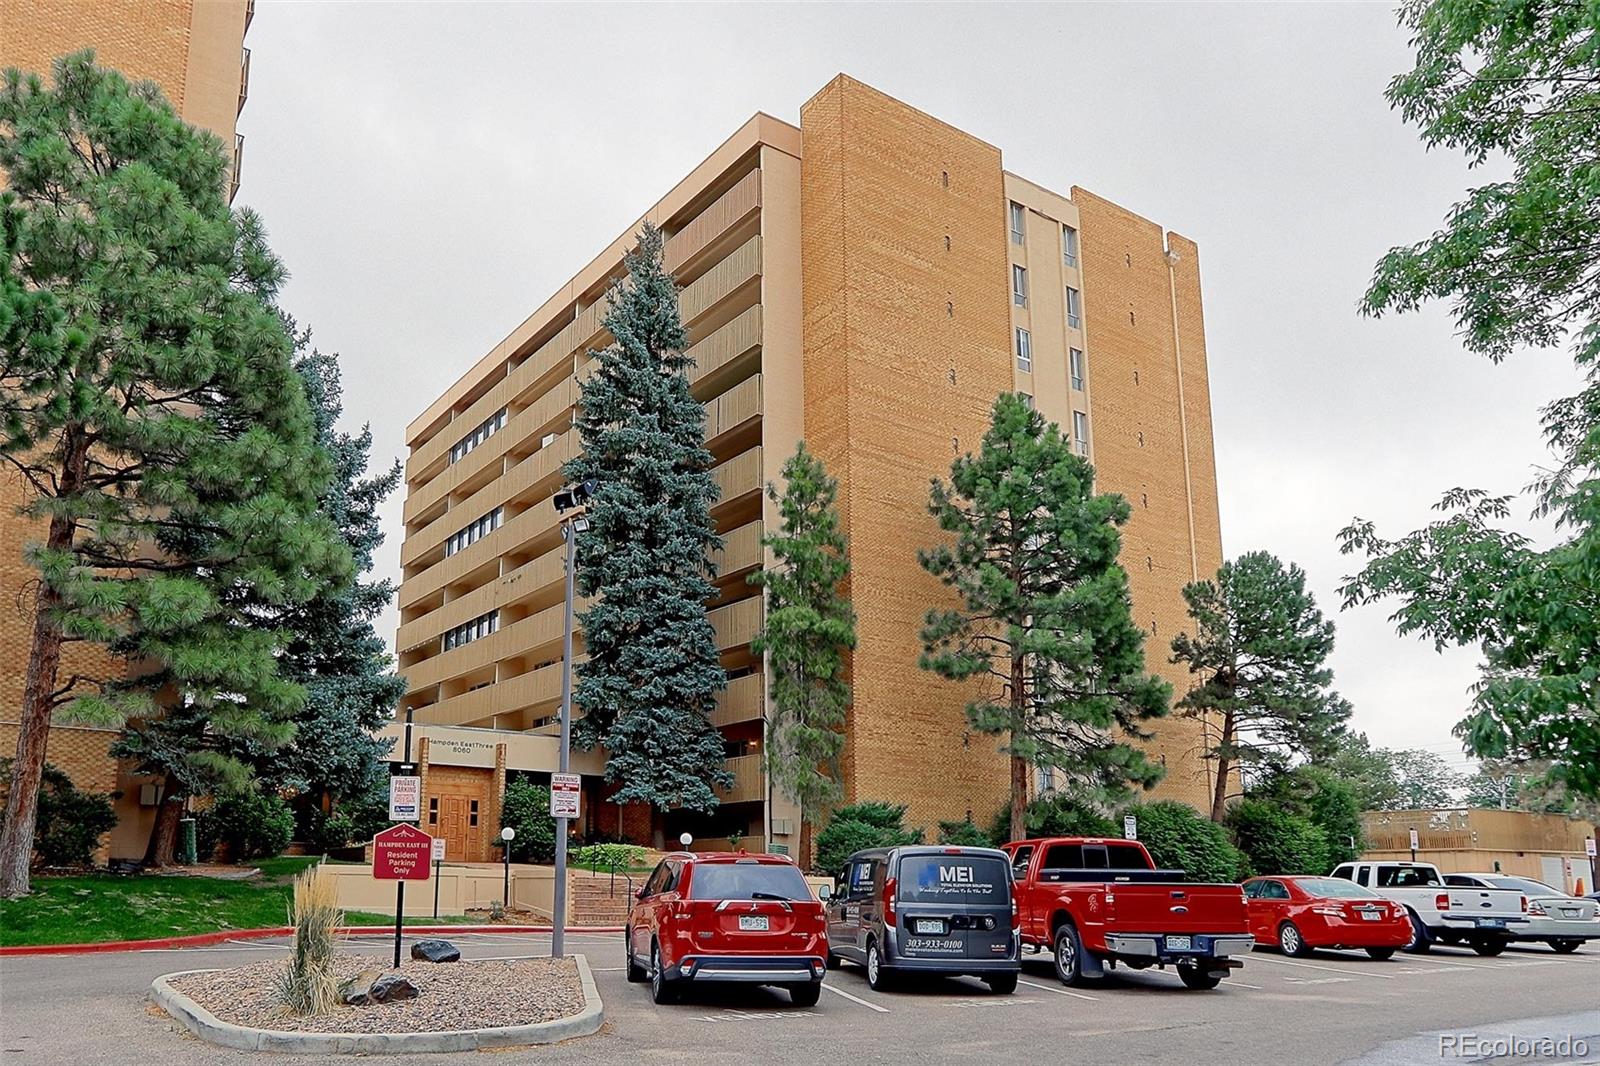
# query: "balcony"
x,y
742,701
244,75
749,782
238,163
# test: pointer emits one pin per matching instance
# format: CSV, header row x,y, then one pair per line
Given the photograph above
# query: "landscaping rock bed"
x,y
466,995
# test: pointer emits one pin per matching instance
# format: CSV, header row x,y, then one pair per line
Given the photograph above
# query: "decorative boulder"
x,y
435,951
392,988
357,990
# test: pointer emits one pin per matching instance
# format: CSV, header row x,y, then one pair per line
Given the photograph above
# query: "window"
x,y
1019,285
747,879
1047,778
1080,432
1346,871
467,632
1075,367
1063,857
1027,399
1252,889
472,812
486,429
1407,877
1019,861
1074,308
1018,218
1274,890
1069,246
950,879
474,531
1024,351
433,810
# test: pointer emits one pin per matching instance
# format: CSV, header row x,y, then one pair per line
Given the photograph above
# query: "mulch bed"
x,y
454,995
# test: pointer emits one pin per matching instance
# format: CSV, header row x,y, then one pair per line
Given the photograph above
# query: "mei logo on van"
x,y
957,875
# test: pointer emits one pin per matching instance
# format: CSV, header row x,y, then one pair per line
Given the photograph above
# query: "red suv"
x,y
727,916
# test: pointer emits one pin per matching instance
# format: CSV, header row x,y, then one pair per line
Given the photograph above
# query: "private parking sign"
x,y
405,799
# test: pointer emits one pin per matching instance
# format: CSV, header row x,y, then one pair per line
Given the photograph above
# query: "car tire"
x,y
805,995
1488,947
1565,947
1002,984
1291,942
1381,954
1068,955
832,961
1421,939
1196,978
636,973
878,978
661,989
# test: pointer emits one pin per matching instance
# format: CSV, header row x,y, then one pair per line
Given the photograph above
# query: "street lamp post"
x,y
571,498
506,836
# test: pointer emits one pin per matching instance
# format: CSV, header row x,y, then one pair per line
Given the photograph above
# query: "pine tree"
x,y
148,403
809,628
1260,647
652,674
1044,610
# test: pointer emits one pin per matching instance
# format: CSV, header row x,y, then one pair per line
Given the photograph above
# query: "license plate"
x,y
1370,916
1569,912
753,923
1179,943
1491,923
931,926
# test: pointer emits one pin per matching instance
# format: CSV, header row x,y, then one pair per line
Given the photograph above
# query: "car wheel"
x,y
1002,984
1565,947
1488,947
805,995
1421,940
636,973
1069,955
1381,953
877,977
1291,942
661,990
1197,979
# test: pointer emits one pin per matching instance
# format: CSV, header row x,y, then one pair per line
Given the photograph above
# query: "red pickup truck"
x,y
1096,903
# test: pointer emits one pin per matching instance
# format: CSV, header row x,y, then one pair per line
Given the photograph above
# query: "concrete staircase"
x,y
590,899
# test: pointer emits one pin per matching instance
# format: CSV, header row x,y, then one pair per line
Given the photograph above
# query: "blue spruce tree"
x,y
653,673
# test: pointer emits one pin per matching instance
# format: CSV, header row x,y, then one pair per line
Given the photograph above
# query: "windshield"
x,y
1407,876
1335,888
1524,884
954,879
747,880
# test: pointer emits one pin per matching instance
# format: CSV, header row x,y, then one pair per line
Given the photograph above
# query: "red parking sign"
x,y
401,853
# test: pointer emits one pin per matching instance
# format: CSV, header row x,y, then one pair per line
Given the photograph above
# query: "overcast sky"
x,y
432,172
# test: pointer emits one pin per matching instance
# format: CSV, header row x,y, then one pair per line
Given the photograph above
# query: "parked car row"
x,y
1094,904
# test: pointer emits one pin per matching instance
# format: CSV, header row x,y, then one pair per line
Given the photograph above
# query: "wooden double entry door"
x,y
459,813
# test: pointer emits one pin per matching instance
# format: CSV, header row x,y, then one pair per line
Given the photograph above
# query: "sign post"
x,y
1130,827
400,853
438,861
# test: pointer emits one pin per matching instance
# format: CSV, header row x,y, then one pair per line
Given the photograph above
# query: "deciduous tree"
x,y
1043,617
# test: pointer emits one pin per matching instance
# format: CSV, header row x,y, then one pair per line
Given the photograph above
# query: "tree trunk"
x,y
164,834
38,696
1219,792
1019,766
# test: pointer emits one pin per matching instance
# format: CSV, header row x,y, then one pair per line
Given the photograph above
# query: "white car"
x,y
1562,921
1485,919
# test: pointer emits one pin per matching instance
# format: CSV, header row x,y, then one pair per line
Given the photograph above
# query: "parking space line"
x,y
1240,984
1330,969
854,999
1060,991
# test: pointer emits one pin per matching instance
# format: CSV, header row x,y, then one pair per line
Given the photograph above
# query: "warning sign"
x,y
401,853
565,791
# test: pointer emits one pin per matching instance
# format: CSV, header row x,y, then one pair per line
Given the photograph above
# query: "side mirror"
x,y
639,894
824,893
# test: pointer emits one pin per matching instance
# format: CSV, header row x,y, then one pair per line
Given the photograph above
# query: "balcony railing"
x,y
238,163
244,80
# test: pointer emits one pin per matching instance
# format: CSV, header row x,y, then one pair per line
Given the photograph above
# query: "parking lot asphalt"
x,y
1334,1007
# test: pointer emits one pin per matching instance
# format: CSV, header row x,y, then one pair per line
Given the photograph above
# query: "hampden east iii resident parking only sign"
x,y
401,853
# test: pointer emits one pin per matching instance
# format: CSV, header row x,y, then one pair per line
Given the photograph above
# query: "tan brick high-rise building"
x,y
194,50
870,281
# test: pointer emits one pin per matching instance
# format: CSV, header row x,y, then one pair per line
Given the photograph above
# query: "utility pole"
x,y
570,498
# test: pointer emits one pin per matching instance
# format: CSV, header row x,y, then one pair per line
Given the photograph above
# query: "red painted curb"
x,y
201,940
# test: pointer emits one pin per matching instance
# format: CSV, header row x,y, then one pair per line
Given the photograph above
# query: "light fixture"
x,y
685,839
507,833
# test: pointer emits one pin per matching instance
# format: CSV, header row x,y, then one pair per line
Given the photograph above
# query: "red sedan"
x,y
1299,914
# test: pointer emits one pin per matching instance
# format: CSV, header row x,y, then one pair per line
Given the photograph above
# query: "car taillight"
x,y
1524,904
1016,914
888,900
1442,901
1332,910
1535,907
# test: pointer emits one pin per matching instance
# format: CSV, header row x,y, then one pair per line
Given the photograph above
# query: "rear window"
x,y
742,880
954,879
1335,888
1406,877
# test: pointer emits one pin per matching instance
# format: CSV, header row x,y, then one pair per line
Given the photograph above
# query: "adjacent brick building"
x,y
194,50
870,281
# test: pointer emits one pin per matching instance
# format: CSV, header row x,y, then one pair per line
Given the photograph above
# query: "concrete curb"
x,y
209,1027
200,940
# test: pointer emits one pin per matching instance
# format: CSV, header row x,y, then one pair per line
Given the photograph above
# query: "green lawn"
x,y
97,907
